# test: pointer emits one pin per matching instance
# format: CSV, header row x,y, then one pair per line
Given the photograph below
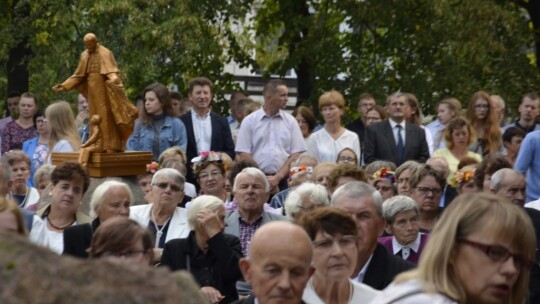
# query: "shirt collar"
x,y
414,246
195,115
362,273
393,124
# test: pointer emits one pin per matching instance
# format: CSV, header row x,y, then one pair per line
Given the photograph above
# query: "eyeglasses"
x,y
164,186
383,188
426,190
206,175
43,121
127,254
500,254
481,106
345,242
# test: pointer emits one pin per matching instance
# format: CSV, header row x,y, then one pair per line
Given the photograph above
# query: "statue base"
x,y
108,164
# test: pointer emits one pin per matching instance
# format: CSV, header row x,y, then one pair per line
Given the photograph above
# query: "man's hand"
x,y
273,180
210,221
213,294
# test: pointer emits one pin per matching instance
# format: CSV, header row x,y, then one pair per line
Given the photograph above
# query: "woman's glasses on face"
x,y
500,254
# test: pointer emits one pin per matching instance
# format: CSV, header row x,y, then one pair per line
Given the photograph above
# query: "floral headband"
x,y
152,167
204,158
295,170
384,172
462,176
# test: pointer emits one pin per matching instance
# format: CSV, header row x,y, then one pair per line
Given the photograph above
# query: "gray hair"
x,y
253,172
6,171
171,173
43,172
498,177
304,157
200,203
317,193
397,204
394,95
408,165
356,190
99,194
377,165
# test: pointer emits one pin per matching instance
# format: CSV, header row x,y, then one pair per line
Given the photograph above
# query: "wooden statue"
x,y
97,78
94,143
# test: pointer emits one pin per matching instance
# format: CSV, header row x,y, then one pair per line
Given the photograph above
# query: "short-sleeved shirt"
x,y
270,140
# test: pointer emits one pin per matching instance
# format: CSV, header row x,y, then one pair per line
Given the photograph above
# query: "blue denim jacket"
x,y
173,133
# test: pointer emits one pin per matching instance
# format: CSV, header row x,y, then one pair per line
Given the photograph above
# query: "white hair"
x,y
356,189
399,203
255,173
200,203
316,193
99,194
171,173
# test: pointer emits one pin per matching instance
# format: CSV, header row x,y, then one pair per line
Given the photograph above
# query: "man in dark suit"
x,y
206,130
279,264
510,184
375,266
395,139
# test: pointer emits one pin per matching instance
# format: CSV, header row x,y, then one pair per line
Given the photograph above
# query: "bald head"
x,y
440,163
510,184
279,263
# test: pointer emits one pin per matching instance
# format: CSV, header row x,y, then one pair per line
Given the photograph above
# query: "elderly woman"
x,y
406,241
122,239
209,170
321,173
110,199
209,254
458,135
463,180
26,196
427,185
479,252
42,179
384,181
403,174
165,220
377,165
334,236
70,182
326,143
305,198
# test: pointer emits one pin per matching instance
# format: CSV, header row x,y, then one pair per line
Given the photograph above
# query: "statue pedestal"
x,y
109,164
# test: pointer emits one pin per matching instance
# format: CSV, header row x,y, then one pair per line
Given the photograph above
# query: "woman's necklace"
x,y
159,232
59,228
23,203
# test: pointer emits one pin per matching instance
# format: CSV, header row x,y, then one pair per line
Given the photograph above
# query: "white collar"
x,y
393,124
362,273
415,245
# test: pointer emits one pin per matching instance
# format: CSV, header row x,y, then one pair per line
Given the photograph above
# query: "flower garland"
x,y
205,157
152,167
384,172
294,170
463,176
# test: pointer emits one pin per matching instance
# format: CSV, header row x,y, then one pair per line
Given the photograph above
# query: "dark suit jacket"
x,y
78,238
534,282
217,268
221,139
358,127
383,267
251,300
380,144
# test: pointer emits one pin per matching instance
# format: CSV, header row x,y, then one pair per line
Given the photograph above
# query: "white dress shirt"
x,y
202,129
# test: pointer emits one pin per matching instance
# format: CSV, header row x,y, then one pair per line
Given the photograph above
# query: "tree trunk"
x,y
17,67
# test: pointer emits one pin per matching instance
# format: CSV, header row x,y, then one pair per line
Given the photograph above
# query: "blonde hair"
x,y
331,98
467,214
62,125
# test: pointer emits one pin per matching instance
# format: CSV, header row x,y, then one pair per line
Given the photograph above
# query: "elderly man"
x,y
449,193
270,136
165,220
375,266
278,267
510,184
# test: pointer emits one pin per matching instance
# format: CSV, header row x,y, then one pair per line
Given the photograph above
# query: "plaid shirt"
x,y
246,233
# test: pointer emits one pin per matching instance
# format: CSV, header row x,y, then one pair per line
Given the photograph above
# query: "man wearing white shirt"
x,y
270,136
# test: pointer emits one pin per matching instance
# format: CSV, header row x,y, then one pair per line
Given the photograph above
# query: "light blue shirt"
x,y
528,163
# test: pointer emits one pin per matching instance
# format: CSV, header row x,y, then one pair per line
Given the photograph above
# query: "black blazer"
x,y
534,282
380,144
78,238
218,268
359,128
251,300
383,267
221,139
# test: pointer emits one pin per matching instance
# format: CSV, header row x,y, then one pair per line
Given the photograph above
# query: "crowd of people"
x,y
268,207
